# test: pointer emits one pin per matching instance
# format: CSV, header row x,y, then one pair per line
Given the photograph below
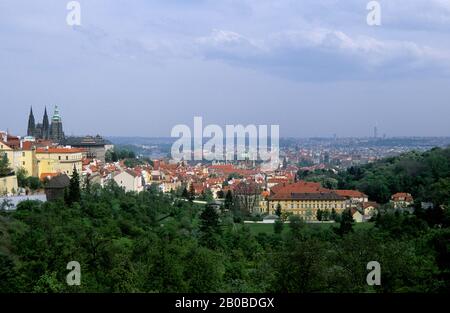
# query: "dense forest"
x,y
154,242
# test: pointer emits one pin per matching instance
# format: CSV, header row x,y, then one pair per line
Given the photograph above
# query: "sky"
x,y
314,67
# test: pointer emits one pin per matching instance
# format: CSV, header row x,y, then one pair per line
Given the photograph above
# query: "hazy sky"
x,y
314,67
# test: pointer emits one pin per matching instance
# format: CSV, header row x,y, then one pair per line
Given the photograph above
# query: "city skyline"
x,y
315,68
370,132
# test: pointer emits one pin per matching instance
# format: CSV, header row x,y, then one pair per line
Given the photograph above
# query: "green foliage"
x,y
74,188
4,166
22,174
333,215
191,193
33,183
207,196
118,154
24,181
151,242
346,223
210,228
220,194
185,193
278,210
319,215
234,175
425,175
228,203
296,225
278,226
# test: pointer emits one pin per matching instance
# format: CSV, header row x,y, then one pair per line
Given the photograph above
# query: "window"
x,y
59,158
23,163
67,157
23,154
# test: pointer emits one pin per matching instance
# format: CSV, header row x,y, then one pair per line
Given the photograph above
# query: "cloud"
x,y
299,40
325,54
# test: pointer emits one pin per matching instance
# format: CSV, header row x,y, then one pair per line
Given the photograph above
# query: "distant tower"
x,y
31,125
45,126
375,132
56,128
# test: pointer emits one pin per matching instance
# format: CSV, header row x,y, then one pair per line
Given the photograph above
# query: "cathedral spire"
x,y
31,124
45,126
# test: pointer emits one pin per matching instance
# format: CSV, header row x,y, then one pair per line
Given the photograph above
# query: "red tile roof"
x,y
48,175
59,150
402,196
298,187
351,193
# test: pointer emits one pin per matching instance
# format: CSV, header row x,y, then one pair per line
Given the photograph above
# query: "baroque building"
x,y
45,130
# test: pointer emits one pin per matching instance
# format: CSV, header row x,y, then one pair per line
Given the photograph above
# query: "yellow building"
x,y
307,204
20,158
304,199
58,160
6,149
25,159
8,185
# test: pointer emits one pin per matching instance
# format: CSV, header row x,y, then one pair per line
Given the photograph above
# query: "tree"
x,y
278,226
278,210
111,156
295,224
33,183
185,193
191,192
87,184
246,197
22,174
207,196
300,267
4,166
333,215
8,273
325,215
228,203
220,194
210,228
319,214
346,224
74,188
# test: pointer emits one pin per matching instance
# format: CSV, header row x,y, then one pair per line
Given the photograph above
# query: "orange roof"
x,y
402,196
298,187
59,150
48,175
351,193
27,145
370,204
86,161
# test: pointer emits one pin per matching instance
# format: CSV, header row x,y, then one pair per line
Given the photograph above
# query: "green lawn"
x,y
268,228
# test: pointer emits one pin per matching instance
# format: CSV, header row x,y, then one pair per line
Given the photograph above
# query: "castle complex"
x,y
45,130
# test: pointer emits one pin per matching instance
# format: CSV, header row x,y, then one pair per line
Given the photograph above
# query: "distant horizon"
x,y
281,136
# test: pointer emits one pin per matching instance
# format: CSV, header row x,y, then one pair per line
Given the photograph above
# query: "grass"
x,y
268,228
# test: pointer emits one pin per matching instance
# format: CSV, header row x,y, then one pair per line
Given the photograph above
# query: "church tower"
x,y
31,124
45,126
56,129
